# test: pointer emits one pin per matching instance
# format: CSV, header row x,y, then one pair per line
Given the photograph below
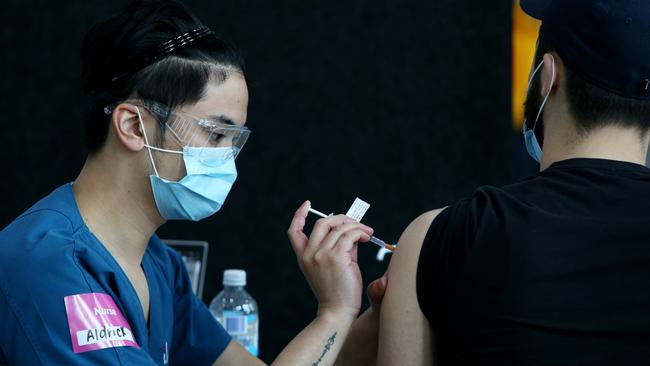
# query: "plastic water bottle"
x,y
236,310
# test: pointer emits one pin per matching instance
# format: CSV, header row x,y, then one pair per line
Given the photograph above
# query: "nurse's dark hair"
x,y
592,106
113,52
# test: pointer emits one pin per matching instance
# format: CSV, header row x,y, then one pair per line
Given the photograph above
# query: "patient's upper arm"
x,y
405,336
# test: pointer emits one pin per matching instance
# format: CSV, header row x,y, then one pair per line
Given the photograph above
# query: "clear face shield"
x,y
197,134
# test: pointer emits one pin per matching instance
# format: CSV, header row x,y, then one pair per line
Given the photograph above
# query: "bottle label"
x,y
253,324
234,322
244,328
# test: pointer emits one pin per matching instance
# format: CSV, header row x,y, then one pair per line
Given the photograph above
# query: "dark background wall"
x,y
402,103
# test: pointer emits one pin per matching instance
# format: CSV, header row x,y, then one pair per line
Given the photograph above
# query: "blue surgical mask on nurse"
x,y
210,174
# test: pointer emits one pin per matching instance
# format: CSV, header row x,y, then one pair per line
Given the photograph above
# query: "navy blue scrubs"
x,y
48,254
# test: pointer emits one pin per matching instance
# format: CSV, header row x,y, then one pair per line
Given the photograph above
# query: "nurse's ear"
x,y
128,129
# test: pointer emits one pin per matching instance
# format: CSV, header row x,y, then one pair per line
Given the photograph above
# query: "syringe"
x,y
373,239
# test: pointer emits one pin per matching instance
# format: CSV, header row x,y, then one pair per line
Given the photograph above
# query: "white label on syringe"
x,y
358,209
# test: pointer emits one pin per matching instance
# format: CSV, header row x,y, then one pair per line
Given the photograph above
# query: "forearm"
x,y
318,344
360,347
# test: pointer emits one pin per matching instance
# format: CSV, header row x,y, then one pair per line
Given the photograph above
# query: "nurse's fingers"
x,y
347,243
321,229
344,252
295,232
343,232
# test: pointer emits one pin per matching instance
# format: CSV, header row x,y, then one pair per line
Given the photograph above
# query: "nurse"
x,y
84,280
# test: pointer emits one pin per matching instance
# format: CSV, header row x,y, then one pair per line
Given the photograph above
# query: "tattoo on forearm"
x,y
330,343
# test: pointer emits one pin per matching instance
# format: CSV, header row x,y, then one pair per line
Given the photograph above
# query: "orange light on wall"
x,y
524,39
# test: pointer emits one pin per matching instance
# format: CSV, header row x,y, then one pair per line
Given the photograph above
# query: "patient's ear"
x,y
552,74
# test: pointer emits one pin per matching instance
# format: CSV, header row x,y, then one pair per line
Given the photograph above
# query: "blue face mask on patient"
x,y
211,172
532,145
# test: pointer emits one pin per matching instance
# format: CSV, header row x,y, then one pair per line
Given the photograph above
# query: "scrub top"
x,y
64,300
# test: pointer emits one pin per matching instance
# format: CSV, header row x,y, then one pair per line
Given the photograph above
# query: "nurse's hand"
x,y
328,259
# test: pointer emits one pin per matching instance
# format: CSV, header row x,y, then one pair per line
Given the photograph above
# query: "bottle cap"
x,y
234,277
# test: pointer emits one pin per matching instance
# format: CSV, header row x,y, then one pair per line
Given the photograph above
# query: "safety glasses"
x,y
198,133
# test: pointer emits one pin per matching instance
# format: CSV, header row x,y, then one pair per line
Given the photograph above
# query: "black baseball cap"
x,y
606,42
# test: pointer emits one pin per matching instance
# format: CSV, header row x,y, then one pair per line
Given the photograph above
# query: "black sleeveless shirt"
x,y
552,270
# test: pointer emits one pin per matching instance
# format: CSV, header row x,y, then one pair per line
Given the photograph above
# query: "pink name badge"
x,y
96,322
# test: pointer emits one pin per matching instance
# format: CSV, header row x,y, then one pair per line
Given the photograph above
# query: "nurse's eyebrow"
x,y
223,119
